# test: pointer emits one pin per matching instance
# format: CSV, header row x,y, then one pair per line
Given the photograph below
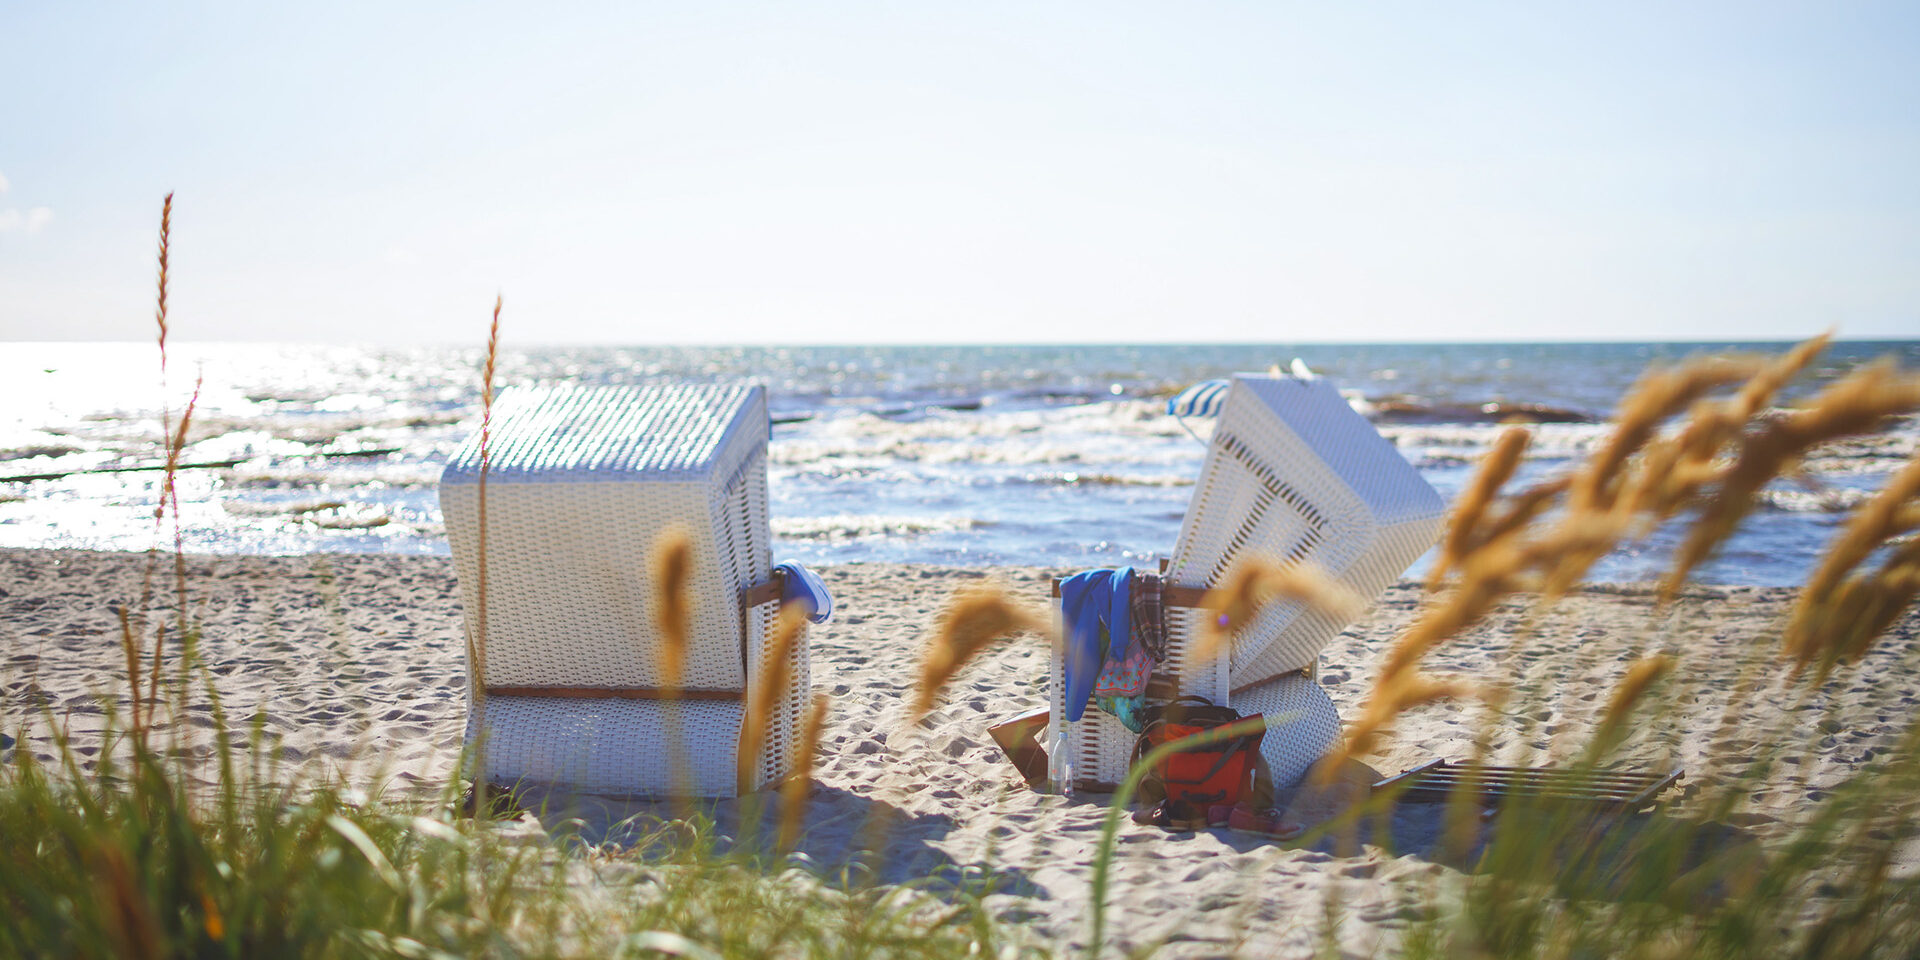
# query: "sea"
x,y
977,456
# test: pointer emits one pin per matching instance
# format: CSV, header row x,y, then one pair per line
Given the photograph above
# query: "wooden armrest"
x,y
1171,596
766,592
616,693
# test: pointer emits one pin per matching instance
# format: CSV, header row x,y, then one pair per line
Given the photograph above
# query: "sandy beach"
x,y
357,660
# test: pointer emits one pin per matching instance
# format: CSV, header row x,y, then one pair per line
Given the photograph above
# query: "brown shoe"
x,y
1266,823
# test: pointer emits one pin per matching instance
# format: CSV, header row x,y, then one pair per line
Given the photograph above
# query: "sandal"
x,y
1266,823
1172,815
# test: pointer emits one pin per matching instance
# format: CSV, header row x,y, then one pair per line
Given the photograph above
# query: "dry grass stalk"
x,y
170,498
172,442
1565,554
793,793
130,922
1840,612
975,618
153,672
1639,678
1255,582
1658,397
477,636
1521,510
672,567
160,310
131,648
1489,574
1887,514
1857,404
1758,392
1616,483
770,687
1635,478
1671,471
1496,468
1388,700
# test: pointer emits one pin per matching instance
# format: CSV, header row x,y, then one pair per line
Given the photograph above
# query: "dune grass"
x,y
130,859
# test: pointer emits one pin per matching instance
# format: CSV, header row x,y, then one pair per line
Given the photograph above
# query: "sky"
x,y
982,172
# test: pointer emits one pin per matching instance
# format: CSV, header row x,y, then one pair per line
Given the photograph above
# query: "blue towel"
x,y
1089,601
803,586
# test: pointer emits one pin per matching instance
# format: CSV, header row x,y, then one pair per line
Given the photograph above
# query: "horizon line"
x,y
176,339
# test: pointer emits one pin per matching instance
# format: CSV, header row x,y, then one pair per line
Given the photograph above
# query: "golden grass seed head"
x,y
975,617
1496,468
1760,390
1858,403
1255,582
671,566
160,307
1634,685
770,687
1658,396
793,793
1888,513
1385,703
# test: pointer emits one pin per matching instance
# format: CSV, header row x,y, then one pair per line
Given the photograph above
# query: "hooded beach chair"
x,y
1294,475
581,482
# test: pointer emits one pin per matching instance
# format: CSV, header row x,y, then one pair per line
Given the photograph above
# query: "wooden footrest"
x,y
1492,785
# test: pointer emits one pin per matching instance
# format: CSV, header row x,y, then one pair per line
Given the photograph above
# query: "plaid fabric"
x,y
1149,614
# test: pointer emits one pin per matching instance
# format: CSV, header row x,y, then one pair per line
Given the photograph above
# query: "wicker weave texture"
x,y
1302,724
568,599
569,602
1295,475
661,434
618,748
627,748
582,481
783,722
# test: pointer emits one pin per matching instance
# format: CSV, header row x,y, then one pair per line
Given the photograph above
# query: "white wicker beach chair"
x,y
1293,474
581,482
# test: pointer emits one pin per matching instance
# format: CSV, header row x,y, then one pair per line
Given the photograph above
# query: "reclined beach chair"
x,y
582,480
1295,475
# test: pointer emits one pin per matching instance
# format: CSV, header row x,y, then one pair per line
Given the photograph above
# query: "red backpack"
x,y
1219,774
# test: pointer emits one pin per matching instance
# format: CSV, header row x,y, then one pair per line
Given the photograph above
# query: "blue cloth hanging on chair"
x,y
803,586
1089,601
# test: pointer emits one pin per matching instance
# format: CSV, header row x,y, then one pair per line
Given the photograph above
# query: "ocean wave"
x,y
278,508
1399,409
358,520
323,513
32,451
851,526
338,474
1071,478
1444,443
1824,500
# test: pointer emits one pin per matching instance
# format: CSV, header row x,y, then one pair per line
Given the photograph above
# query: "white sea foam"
x,y
849,526
1118,433
1823,500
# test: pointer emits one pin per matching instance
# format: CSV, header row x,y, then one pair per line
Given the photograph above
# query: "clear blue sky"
x,y
628,172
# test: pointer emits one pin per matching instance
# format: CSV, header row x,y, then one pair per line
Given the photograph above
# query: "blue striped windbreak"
x,y
1203,399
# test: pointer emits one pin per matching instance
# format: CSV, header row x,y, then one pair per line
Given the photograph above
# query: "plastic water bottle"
x,y
1060,763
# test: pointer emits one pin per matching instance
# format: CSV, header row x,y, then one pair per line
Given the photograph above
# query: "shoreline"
x,y
345,656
